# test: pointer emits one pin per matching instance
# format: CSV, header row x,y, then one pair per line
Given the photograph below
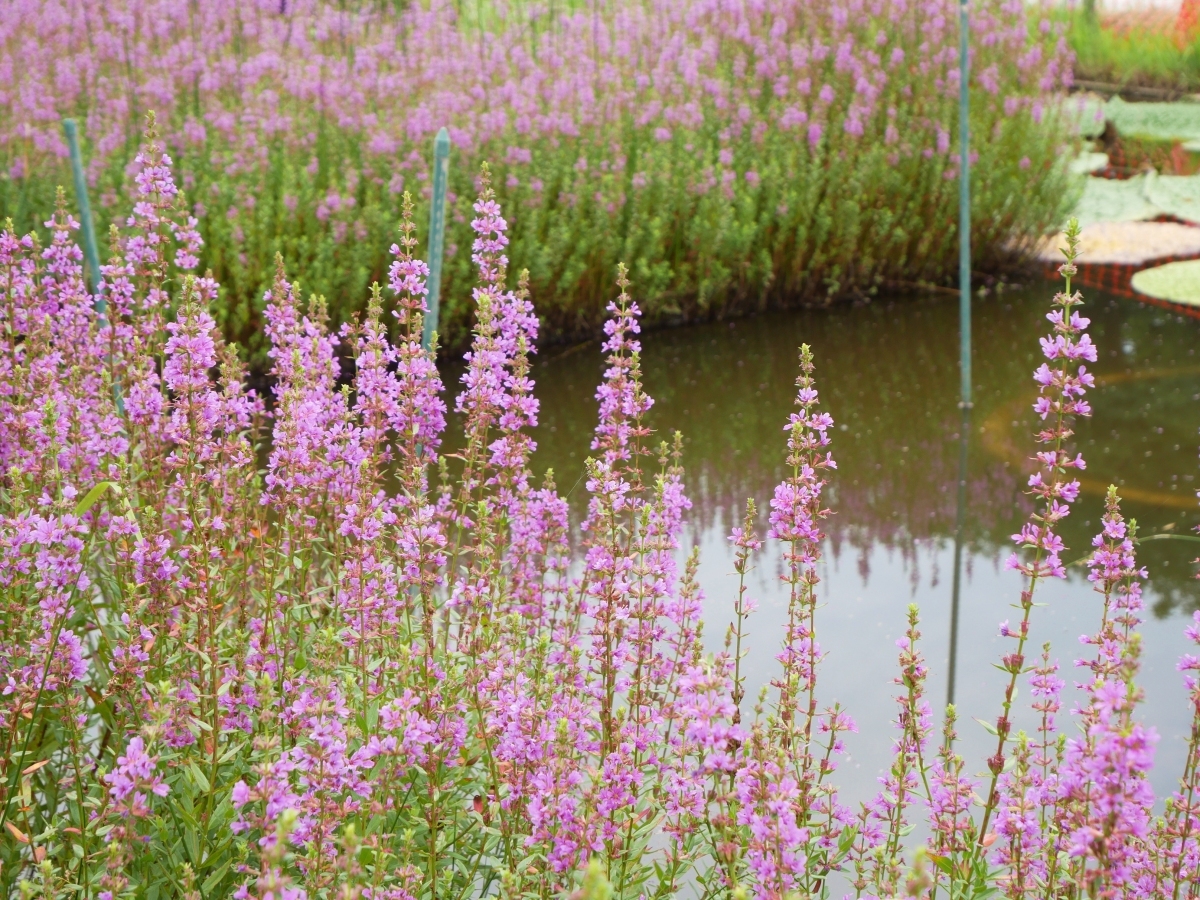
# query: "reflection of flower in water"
x,y
885,371
1120,442
902,499
1004,433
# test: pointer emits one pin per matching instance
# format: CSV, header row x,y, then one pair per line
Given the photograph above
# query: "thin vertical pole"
x,y
86,227
964,206
959,528
437,233
964,336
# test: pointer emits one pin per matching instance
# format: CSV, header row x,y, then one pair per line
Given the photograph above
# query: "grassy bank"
x,y
1145,51
734,158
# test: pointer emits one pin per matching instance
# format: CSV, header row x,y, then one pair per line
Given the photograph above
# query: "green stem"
x,y
33,721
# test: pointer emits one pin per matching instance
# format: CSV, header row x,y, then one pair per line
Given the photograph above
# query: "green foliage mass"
x,y
1139,58
841,220
790,219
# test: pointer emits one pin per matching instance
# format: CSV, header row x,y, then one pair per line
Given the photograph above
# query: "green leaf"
x,y
989,727
101,705
215,878
942,862
982,892
191,843
846,839
184,803
200,779
90,498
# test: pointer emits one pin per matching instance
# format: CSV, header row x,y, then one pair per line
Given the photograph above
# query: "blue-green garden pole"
x,y
964,325
964,205
86,227
88,231
437,233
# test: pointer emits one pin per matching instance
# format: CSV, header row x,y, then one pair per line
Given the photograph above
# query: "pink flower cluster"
x,y
301,123
300,650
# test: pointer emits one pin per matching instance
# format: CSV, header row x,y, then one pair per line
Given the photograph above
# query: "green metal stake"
x,y
437,233
964,205
90,254
964,316
88,230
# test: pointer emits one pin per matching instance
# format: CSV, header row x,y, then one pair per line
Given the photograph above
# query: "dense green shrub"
x,y
360,671
733,155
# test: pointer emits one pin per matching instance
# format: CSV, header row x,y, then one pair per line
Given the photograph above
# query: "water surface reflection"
x,y
887,373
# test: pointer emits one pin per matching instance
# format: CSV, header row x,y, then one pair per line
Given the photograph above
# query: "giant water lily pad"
x,y
1155,121
1175,195
1088,162
1109,200
1126,243
1177,282
1085,113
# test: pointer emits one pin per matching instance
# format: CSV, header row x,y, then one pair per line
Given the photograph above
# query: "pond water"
x,y
888,374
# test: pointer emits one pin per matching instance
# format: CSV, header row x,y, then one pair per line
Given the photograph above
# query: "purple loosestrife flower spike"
x,y
1104,799
1177,835
287,655
306,465
951,793
420,418
623,404
747,543
769,799
191,353
792,766
1105,789
496,390
1062,382
1028,802
795,519
906,779
1029,792
135,779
